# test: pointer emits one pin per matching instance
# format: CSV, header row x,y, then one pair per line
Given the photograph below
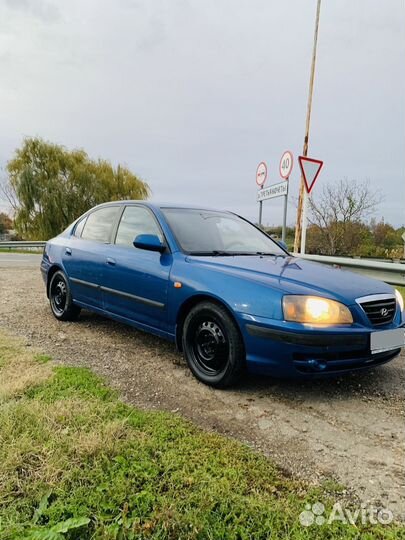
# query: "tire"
x,y
60,298
212,345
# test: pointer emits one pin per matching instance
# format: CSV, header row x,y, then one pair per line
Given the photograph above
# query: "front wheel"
x,y
60,298
212,345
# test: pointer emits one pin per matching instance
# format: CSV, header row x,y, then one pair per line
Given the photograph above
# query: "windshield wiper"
x,y
216,253
272,254
222,253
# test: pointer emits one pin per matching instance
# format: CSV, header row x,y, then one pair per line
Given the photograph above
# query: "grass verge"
x,y
33,251
77,463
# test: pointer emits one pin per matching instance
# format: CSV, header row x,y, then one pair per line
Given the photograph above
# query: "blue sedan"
x,y
229,296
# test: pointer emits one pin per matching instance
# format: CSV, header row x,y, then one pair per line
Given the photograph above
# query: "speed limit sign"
x,y
286,165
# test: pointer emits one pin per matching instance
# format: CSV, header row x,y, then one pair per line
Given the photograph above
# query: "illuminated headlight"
x,y
400,300
315,310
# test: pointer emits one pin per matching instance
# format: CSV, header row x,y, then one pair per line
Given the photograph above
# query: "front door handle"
x,y
110,261
68,251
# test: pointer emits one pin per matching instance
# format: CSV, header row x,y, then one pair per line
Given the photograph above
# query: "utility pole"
x,y
302,199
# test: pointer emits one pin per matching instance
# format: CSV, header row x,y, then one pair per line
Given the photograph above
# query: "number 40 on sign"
x,y
286,165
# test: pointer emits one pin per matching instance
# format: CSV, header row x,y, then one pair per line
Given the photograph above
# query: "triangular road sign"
x,y
310,169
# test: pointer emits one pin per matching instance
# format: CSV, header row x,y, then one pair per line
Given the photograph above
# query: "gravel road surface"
x,y
351,429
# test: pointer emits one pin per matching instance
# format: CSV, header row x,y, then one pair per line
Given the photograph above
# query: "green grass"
x,y
77,463
34,251
42,358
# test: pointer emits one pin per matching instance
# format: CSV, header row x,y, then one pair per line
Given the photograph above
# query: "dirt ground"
x,y
351,429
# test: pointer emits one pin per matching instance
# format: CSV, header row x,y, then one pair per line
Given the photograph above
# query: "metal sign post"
x,y
286,165
261,177
260,213
283,230
310,169
304,222
298,228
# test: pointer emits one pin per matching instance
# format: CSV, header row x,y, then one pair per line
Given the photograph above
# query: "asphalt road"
x,y
19,260
351,428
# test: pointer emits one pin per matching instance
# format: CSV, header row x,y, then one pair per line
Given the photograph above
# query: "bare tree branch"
x,y
339,207
7,192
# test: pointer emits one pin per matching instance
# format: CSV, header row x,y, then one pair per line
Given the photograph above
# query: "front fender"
x,y
239,295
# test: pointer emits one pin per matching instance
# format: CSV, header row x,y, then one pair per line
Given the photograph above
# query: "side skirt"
x,y
140,326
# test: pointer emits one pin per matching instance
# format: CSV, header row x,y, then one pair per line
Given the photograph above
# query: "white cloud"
x,y
46,11
192,95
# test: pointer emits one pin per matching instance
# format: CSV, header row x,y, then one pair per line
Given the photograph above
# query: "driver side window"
x,y
136,220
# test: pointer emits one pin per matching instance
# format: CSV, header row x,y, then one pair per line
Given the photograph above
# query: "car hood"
x,y
296,276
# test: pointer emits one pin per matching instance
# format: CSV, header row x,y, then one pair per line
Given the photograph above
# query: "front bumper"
x,y
291,350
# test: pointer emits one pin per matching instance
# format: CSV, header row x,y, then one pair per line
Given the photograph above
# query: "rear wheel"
x,y
212,345
60,298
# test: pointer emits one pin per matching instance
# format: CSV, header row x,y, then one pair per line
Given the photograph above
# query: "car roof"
x,y
157,205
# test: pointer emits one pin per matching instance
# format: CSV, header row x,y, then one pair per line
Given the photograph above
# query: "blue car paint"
x,y
145,276
251,288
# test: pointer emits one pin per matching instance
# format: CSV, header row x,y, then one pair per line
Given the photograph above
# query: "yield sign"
x,y
310,169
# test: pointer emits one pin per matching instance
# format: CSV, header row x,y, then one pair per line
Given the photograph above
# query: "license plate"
x,y
387,340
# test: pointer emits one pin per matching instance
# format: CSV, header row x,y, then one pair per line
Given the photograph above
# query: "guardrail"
x,y
393,273
22,244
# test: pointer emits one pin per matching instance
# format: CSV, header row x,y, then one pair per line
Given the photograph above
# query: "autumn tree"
x,y
385,235
337,217
49,186
6,223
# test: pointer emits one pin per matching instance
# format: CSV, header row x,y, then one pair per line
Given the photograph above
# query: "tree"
x,y
385,235
49,187
337,215
6,223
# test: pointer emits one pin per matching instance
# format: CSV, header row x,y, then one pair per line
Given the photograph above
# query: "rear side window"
x,y
136,220
99,224
79,227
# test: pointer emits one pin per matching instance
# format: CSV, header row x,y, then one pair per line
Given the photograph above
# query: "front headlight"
x,y
315,310
400,300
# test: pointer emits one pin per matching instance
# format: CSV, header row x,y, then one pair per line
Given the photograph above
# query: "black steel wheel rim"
x,y
59,295
210,346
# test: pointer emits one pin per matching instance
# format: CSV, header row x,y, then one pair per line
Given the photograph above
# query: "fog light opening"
x,y
316,365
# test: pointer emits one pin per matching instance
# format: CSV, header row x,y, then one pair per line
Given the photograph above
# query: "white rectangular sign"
x,y
276,190
386,340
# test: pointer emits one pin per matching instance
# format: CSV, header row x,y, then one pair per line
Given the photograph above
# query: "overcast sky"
x,y
192,94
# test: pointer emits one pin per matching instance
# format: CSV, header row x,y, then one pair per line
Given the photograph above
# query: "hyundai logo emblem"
x,y
384,312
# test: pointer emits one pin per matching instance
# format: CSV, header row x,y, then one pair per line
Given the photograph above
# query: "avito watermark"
x,y
315,515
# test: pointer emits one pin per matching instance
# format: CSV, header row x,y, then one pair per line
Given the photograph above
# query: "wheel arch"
x,y
52,270
192,301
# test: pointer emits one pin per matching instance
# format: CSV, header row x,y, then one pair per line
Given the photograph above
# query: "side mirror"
x,y
149,242
282,244
279,242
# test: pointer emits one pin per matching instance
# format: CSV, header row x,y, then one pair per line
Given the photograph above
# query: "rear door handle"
x,y
68,251
110,261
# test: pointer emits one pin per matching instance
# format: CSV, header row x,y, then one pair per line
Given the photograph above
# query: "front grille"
x,y
380,311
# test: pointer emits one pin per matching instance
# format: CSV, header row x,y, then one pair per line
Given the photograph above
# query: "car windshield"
x,y
204,232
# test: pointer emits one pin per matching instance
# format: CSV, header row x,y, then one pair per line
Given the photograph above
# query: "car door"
x,y
135,281
84,254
